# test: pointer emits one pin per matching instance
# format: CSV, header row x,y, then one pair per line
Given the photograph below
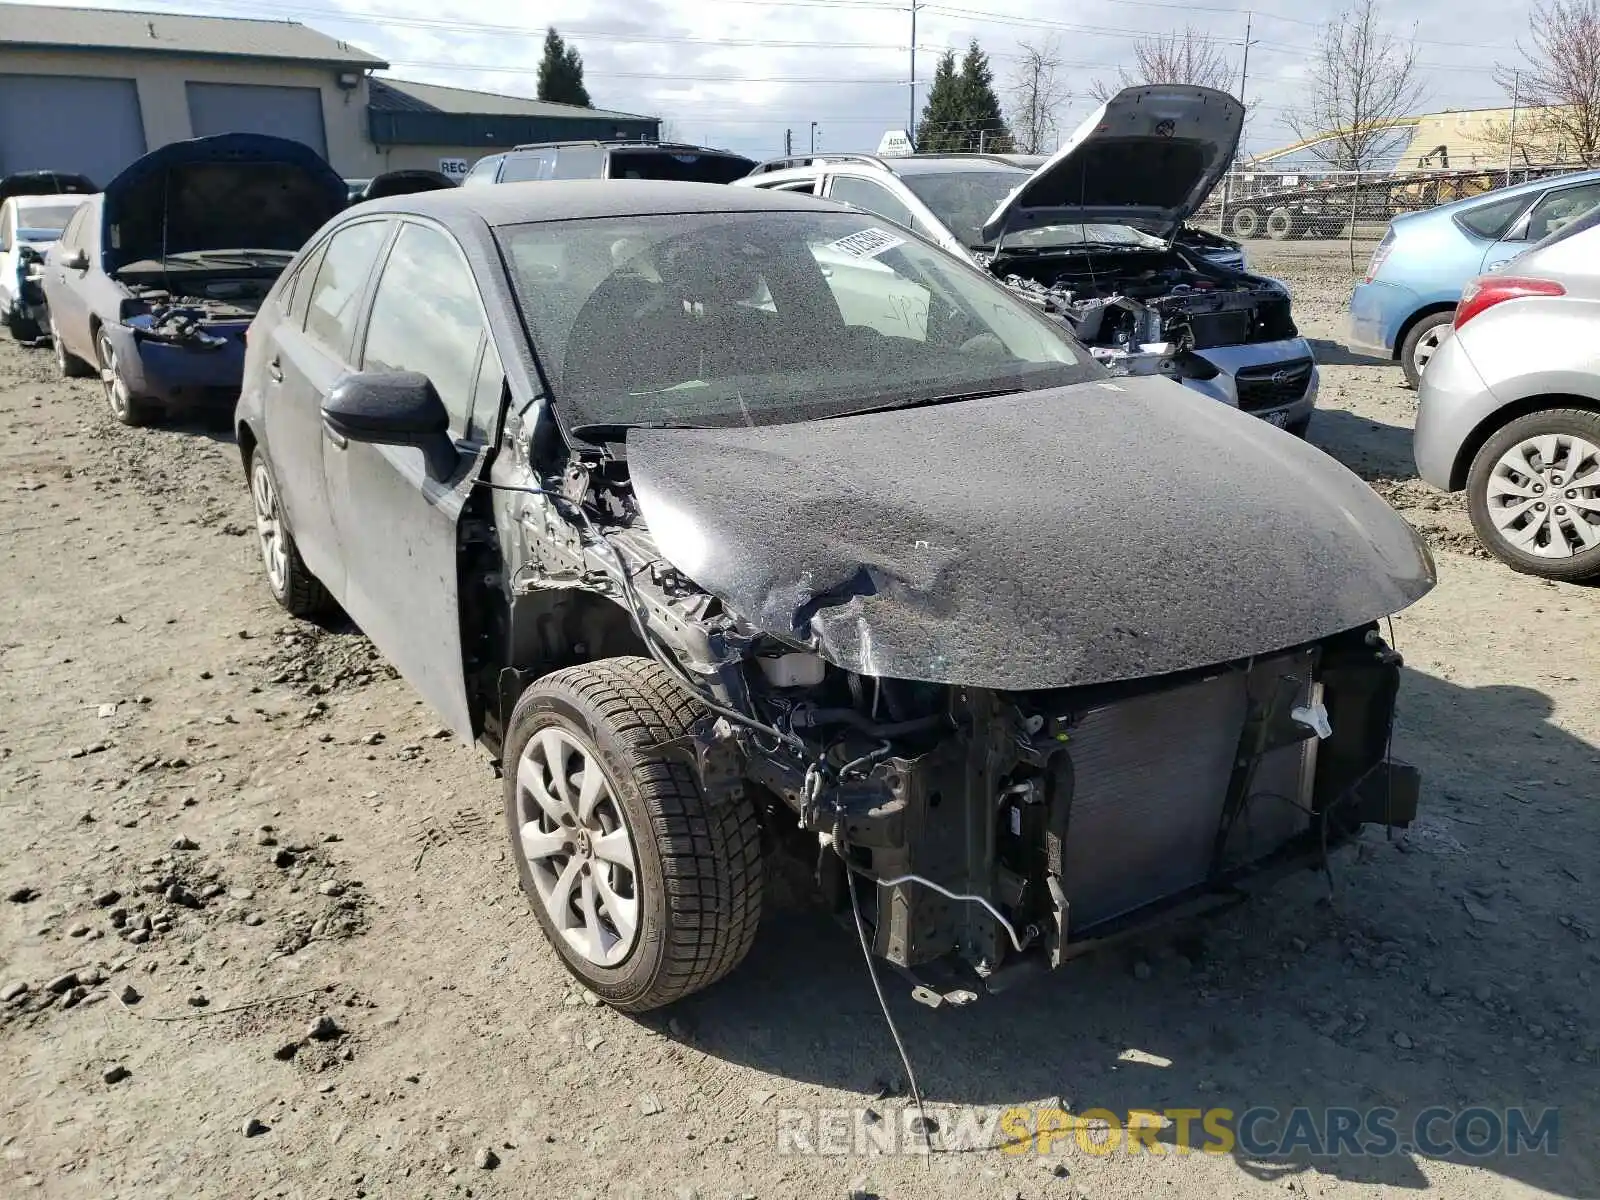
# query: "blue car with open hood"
x,y
155,279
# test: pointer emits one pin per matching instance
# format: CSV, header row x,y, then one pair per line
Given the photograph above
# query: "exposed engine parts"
x,y
1142,320
180,317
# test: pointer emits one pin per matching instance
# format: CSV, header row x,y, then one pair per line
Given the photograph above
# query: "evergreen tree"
x,y
561,72
941,124
986,127
962,112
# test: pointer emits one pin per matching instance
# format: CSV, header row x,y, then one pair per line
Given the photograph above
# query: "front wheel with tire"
x,y
1533,493
296,589
648,889
1421,342
20,326
68,364
125,406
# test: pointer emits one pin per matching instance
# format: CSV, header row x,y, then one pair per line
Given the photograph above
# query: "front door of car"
x,y
397,520
311,348
1549,213
69,306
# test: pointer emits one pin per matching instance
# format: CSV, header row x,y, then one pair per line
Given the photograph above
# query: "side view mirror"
x,y
398,408
75,260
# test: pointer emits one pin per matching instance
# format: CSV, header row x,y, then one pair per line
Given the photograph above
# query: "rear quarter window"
x,y
1489,221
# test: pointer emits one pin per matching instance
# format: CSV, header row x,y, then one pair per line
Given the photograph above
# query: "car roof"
x,y
581,199
626,144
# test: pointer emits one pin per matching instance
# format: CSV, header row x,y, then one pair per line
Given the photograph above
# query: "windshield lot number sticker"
x,y
869,243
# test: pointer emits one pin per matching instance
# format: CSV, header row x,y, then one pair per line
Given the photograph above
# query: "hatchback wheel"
x,y
68,365
124,405
294,587
1534,494
1421,343
647,889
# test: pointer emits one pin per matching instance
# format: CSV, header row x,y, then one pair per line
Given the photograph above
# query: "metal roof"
x,y
46,26
402,95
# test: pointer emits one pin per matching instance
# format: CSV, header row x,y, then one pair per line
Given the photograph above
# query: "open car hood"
x,y
234,191
1104,531
1148,157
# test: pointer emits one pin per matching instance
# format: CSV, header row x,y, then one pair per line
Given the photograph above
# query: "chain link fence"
x,y
1345,206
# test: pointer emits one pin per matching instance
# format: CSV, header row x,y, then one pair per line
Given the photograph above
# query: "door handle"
x,y
275,371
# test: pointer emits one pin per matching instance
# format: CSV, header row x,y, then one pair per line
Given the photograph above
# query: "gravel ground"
x,y
272,944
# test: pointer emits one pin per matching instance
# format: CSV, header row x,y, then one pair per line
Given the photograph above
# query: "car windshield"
x,y
964,200
43,222
768,317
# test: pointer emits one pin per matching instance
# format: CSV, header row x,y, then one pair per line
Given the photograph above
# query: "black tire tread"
x,y
1408,344
1573,570
304,594
710,855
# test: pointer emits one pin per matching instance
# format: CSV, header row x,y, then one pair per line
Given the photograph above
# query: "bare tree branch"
x,y
1560,82
1037,96
1183,56
1361,80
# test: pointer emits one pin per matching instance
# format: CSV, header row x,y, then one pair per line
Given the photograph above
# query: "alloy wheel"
x,y
578,847
111,380
1427,345
269,528
1544,495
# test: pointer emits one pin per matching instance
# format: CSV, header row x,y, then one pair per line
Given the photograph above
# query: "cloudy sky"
x,y
736,73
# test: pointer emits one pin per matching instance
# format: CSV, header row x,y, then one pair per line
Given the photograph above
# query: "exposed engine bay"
x,y
1141,313
178,308
978,829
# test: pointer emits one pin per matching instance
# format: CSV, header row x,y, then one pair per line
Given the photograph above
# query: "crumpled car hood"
x,y
1103,531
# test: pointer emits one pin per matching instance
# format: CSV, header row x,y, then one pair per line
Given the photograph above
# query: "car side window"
x,y
5,225
806,187
870,197
1558,208
579,162
72,235
489,390
529,165
334,302
427,317
483,171
1490,220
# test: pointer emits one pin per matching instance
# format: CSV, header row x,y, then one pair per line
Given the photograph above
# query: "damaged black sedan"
x,y
736,524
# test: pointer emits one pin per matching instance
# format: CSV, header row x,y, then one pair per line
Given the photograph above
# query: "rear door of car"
x,y
310,348
397,523
8,255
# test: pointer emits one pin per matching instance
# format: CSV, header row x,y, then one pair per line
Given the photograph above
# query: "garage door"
x,y
69,123
287,112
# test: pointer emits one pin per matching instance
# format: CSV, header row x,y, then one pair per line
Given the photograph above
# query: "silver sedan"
x,y
1509,407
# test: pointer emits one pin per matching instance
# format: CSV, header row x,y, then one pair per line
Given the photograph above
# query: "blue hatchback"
x,y
1425,260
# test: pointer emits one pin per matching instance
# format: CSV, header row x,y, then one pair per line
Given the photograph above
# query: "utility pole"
x,y
1244,79
813,137
1511,136
788,142
911,107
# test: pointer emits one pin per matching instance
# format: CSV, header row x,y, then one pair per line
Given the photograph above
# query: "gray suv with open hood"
x,y
736,523
1095,235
